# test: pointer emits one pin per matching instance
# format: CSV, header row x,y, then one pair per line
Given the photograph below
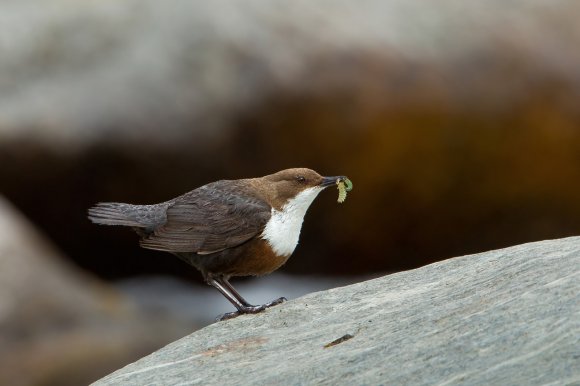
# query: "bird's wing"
x,y
209,219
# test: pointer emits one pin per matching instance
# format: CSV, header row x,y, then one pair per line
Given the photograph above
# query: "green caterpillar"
x,y
343,187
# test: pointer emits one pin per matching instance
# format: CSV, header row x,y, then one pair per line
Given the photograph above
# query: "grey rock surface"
x,y
509,316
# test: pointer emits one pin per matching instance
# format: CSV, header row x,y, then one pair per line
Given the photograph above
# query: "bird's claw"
x,y
276,302
250,309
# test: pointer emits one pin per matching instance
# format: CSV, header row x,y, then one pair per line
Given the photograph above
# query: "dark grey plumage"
x,y
147,217
209,219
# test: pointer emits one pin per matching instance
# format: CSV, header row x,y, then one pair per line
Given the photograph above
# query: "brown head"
x,y
285,185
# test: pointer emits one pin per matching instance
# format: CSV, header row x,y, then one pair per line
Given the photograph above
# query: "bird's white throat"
x,y
283,228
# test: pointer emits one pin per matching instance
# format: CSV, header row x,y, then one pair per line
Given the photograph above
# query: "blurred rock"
x,y
59,326
110,71
508,316
457,121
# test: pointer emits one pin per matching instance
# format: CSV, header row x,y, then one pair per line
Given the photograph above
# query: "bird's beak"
x,y
331,181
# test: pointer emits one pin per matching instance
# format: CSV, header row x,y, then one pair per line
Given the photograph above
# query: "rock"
x,y
509,316
90,72
60,326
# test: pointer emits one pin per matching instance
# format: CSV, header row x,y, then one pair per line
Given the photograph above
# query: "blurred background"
x,y
457,121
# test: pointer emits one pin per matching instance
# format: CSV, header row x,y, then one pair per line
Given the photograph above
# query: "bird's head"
x,y
297,186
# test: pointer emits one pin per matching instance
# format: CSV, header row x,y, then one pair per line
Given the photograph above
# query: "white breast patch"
x,y
283,228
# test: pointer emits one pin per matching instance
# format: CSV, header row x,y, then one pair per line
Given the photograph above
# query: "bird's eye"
x,y
300,179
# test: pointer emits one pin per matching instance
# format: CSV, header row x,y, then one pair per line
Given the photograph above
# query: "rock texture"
x,y
509,316
58,325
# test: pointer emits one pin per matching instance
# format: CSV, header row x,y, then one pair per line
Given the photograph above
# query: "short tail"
x,y
115,213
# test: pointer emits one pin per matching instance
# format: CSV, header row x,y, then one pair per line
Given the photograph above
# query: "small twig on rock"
x,y
343,338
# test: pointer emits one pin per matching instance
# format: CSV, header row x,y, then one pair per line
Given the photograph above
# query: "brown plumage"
x,y
226,228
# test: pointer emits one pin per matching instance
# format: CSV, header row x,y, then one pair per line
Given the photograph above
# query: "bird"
x,y
227,228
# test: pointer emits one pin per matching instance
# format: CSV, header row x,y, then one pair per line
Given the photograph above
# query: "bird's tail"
x,y
115,213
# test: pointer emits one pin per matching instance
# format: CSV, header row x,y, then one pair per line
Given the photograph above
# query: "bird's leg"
x,y
233,291
242,305
226,284
226,289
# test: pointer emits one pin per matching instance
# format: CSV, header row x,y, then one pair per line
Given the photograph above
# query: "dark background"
x,y
430,183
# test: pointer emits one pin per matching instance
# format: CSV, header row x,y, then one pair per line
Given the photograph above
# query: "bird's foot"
x,y
276,302
244,310
250,309
227,315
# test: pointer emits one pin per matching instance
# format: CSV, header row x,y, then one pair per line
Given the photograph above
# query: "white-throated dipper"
x,y
245,227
